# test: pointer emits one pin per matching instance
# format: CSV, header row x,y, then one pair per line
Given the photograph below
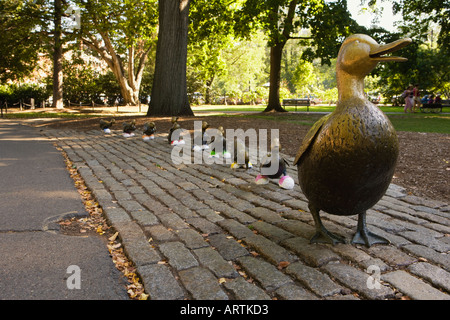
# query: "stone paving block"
x,y
297,204
228,248
298,228
291,291
268,249
130,205
159,282
243,290
203,225
191,238
144,218
265,214
141,253
235,228
272,232
116,215
413,287
209,214
266,274
393,256
212,260
315,255
172,221
178,255
433,274
202,284
160,233
358,281
316,281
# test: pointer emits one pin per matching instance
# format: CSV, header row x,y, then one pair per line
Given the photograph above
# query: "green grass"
x,y
419,122
411,122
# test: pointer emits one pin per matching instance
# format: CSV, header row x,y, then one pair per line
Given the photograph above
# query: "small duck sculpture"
x,y
347,160
219,143
106,125
149,131
241,156
129,128
273,166
175,126
201,137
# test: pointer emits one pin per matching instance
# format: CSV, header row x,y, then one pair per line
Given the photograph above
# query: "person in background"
x,y
408,95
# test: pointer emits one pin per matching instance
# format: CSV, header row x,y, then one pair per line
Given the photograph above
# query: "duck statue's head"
x,y
358,56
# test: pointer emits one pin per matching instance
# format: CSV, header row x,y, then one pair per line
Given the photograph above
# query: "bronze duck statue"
x,y
347,159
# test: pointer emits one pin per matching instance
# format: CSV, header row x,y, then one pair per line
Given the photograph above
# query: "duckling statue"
x,y
347,160
106,125
129,128
201,137
241,156
273,166
149,131
219,142
175,126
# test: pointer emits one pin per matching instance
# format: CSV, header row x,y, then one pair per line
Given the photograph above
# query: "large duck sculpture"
x,y
347,160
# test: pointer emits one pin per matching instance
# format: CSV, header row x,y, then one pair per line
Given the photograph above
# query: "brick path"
x,y
208,232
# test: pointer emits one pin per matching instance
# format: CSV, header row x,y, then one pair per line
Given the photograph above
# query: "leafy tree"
x,y
20,47
419,16
122,33
210,32
327,23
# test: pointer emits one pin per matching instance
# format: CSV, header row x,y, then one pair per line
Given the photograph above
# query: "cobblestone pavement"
x,y
205,232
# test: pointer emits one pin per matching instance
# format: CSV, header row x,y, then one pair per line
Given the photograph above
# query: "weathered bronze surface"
x,y
347,159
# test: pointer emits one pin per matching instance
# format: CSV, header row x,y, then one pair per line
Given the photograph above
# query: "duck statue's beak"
x,y
378,53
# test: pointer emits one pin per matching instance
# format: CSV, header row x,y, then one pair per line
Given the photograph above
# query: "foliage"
x,y
420,16
122,33
13,93
20,47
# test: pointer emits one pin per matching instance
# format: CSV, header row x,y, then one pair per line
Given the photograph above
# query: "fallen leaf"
x,y
113,237
222,280
143,296
283,264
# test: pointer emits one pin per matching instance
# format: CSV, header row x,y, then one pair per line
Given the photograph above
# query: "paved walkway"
x,y
208,232
37,262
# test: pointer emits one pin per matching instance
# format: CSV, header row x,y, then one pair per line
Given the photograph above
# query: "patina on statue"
x,y
347,160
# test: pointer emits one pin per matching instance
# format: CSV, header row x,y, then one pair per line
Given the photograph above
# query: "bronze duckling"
x,y
347,160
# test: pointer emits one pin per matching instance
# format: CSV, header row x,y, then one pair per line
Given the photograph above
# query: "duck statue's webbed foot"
x,y
364,236
322,235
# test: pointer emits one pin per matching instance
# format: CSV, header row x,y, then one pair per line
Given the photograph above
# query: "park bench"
x,y
297,102
434,107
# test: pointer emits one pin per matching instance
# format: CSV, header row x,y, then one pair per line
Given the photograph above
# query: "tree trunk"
x,y
275,74
169,91
57,58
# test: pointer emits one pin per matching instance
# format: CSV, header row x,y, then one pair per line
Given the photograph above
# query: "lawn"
x,y
413,122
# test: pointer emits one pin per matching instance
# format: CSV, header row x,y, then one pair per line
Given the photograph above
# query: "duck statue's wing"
x,y
310,137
